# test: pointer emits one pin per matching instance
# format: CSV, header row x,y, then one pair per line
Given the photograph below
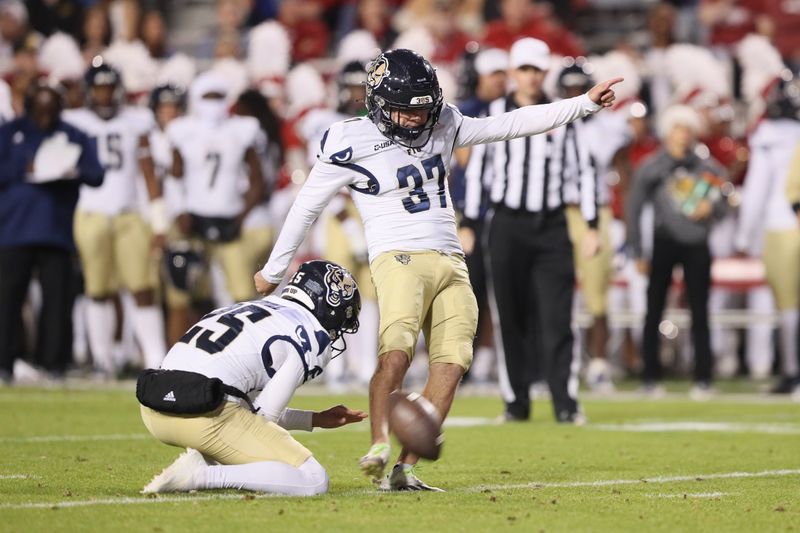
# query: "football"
x,y
416,424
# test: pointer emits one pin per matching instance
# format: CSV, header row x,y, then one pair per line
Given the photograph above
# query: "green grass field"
x,y
75,460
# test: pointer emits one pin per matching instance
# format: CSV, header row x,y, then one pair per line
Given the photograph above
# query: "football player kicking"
x,y
265,349
396,162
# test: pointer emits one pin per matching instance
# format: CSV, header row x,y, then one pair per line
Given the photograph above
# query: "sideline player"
x,y
211,151
113,240
397,160
266,349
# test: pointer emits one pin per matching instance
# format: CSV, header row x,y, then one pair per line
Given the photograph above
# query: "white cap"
x,y
679,115
530,51
490,61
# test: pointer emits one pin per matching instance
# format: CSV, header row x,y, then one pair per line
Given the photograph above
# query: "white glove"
x,y
56,159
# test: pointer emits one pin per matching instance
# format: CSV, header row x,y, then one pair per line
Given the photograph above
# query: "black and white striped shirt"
x,y
536,174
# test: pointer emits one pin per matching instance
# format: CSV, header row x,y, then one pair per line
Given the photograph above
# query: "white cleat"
x,y
598,376
180,476
374,463
404,478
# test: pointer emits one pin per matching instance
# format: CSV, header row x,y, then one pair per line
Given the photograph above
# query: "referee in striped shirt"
x,y
530,255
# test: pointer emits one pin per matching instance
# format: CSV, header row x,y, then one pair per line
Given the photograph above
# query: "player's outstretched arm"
x,y
534,119
337,416
602,94
263,287
323,182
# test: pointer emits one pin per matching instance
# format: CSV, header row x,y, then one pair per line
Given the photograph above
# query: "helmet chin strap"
x,y
337,350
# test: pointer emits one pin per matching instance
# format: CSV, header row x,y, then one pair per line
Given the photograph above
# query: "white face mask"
x,y
211,110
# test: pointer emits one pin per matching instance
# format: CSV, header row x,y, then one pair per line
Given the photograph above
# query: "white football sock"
x,y
760,345
789,358
308,479
100,329
148,325
80,345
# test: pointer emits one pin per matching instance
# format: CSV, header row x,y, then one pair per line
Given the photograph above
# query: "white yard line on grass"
x,y
480,488
75,438
688,495
691,425
610,482
17,476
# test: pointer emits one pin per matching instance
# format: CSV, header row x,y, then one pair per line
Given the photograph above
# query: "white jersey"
x,y
172,187
266,348
213,162
765,205
402,193
118,151
313,127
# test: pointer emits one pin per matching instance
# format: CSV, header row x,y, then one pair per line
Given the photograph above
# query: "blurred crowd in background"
x,y
295,66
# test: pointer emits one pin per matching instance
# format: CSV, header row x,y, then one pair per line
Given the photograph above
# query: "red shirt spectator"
x,y
783,24
521,18
729,20
309,35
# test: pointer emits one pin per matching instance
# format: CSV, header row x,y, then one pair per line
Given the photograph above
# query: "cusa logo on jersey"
x,y
378,71
340,285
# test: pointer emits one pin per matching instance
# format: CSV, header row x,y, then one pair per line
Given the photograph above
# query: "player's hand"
x,y
702,211
467,237
184,223
590,245
337,416
602,94
264,287
643,266
157,244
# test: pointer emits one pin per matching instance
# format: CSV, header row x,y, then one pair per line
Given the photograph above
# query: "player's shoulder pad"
x,y
244,128
177,129
347,141
140,119
450,120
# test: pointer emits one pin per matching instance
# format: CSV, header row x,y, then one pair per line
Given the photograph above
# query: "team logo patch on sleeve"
x,y
377,71
342,156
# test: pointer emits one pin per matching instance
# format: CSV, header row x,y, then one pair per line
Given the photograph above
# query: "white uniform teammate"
x,y
266,349
212,150
397,165
113,240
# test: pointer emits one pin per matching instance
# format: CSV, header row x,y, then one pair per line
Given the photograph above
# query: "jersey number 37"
x,y
409,176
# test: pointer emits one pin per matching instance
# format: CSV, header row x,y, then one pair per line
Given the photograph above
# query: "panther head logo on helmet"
x,y
377,71
329,292
339,284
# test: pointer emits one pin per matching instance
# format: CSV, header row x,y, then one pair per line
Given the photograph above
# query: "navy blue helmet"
x,y
184,265
167,94
574,76
329,292
352,77
403,80
783,98
103,74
